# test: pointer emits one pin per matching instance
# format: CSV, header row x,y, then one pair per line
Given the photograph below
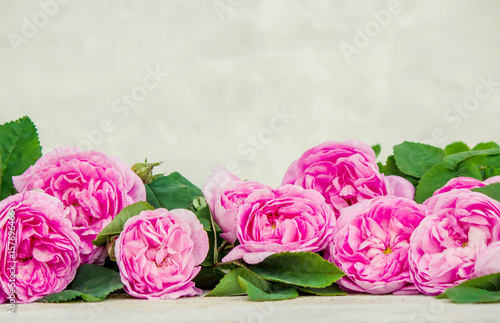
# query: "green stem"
x,y
223,246
216,250
235,262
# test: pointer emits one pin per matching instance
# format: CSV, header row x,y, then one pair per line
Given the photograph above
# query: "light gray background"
x,y
232,64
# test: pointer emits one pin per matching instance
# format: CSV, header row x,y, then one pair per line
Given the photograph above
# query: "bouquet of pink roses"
x,y
80,224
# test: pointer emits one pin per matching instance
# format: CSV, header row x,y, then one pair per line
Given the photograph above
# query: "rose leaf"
x,y
304,269
19,149
92,283
115,227
415,159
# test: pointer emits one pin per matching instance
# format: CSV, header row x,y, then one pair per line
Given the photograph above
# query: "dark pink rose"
x,y
93,187
370,244
344,173
39,245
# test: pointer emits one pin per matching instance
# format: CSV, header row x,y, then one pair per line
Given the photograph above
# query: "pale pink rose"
x,y
345,173
487,259
289,218
45,247
399,187
159,253
93,187
443,248
370,245
225,193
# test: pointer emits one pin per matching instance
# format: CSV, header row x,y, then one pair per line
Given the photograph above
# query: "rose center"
x,y
163,263
464,244
25,259
387,251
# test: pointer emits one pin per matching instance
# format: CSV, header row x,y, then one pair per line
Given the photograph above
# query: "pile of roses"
x,y
333,201
367,223
64,201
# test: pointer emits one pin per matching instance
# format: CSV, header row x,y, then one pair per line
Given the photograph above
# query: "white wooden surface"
x,y
355,308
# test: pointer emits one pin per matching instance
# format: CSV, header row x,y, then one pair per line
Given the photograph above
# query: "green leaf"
x,y
485,289
115,227
491,172
491,166
208,278
463,295
492,161
439,174
486,145
68,295
469,168
229,285
194,191
92,283
198,203
380,167
333,290
278,293
492,190
172,192
391,168
376,149
456,147
19,149
203,215
415,159
305,269
459,157
434,178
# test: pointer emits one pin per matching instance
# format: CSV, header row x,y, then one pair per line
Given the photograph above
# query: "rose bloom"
x,y
45,248
289,218
465,183
224,193
93,187
159,253
345,173
371,242
487,259
443,248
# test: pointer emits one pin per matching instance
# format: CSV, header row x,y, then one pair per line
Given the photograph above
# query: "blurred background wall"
x,y
249,84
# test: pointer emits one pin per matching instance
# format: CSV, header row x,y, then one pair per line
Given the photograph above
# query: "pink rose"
x,y
224,193
443,248
487,259
42,244
370,244
466,183
93,187
159,253
345,173
288,218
